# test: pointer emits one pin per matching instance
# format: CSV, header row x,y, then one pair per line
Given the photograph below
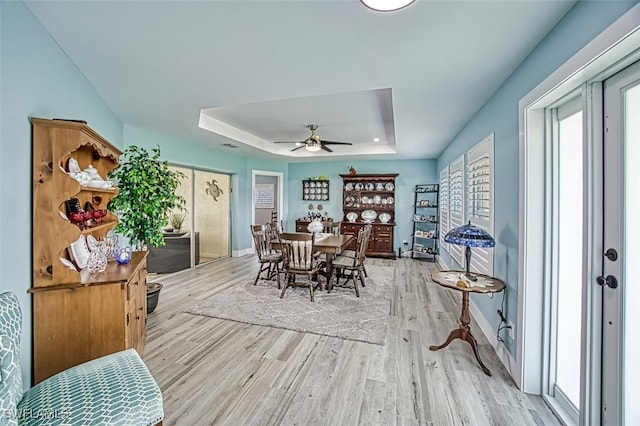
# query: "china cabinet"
x,y
78,315
426,222
370,198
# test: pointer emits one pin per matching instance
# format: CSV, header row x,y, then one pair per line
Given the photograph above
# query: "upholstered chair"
x,y
115,389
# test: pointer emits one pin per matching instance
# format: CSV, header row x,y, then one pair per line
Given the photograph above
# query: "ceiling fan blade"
x,y
299,147
336,143
288,142
326,148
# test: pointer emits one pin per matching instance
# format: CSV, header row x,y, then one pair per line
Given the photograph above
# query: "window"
x,y
456,204
444,206
480,199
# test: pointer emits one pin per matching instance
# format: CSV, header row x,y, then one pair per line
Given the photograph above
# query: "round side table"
x,y
455,280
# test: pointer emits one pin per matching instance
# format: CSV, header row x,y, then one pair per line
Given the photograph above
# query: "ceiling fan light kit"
x,y
314,143
386,5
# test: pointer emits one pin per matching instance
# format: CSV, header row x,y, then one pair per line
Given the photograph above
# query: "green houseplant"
x,y
176,220
146,188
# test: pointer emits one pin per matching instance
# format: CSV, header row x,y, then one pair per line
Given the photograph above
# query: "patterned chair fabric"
x,y
116,389
299,259
10,373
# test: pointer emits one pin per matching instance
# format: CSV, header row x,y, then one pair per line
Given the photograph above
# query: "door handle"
x,y
610,281
611,254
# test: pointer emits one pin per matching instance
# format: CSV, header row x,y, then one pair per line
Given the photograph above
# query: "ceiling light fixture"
x,y
312,147
376,139
386,5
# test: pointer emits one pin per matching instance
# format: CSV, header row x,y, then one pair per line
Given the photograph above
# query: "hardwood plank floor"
x,y
214,371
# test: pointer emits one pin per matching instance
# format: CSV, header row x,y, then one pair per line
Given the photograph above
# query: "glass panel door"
x,y
621,289
207,212
567,260
212,215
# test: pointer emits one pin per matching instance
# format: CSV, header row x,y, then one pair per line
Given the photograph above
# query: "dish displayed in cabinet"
x,y
368,216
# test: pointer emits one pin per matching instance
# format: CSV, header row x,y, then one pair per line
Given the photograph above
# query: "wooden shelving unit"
x,y
426,222
77,316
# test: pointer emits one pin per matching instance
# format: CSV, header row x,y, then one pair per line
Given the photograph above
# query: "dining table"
x,y
331,245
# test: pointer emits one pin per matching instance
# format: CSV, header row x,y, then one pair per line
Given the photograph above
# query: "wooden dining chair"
x,y
299,259
268,258
276,228
352,268
352,253
331,227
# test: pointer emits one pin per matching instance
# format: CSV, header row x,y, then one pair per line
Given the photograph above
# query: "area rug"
x,y
339,313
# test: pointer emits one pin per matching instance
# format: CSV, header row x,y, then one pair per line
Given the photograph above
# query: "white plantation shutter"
x,y
444,207
480,200
456,205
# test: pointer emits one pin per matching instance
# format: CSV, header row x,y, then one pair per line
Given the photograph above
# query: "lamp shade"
x,y
386,5
313,147
469,236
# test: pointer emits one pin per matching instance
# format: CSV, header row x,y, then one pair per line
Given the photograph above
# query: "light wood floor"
x,y
214,371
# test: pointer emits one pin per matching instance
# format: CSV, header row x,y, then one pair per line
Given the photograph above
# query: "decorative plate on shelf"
x,y
377,199
384,217
79,252
348,187
364,200
390,200
359,186
389,186
368,216
68,264
369,186
352,216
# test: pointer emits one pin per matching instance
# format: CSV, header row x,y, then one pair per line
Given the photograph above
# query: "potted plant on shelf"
x,y
176,219
146,192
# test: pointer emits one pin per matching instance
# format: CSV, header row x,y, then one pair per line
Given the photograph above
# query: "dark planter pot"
x,y
153,294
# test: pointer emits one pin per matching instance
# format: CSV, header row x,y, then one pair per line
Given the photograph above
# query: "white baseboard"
x,y
243,252
489,332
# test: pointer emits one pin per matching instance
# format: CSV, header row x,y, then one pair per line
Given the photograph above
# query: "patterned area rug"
x,y
339,313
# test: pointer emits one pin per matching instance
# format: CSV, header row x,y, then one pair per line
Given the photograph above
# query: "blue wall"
x,y
500,115
37,80
410,173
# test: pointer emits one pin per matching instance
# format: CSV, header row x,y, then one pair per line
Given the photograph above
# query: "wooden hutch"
x,y
370,198
77,316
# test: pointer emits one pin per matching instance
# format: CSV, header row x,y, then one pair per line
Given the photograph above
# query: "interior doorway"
x,y
267,204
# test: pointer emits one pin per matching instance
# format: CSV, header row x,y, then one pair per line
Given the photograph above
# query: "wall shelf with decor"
x,y
370,198
78,314
315,190
425,222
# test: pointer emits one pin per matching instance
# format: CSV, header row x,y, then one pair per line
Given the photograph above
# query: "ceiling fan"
x,y
313,143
